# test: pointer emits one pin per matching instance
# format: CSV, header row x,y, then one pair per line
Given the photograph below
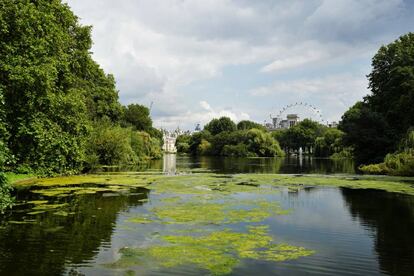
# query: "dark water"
x,y
353,232
289,165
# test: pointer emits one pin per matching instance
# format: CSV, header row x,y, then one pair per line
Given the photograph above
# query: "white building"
x,y
169,141
290,121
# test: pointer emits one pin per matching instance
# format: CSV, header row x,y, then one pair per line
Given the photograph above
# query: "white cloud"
x,y
156,49
331,94
200,116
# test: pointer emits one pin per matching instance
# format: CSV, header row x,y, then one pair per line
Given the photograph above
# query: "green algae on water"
x,y
218,213
218,252
210,212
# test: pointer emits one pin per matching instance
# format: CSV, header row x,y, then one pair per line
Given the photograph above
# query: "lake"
x,y
201,218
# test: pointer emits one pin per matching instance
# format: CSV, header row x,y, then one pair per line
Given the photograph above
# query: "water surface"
x,y
351,231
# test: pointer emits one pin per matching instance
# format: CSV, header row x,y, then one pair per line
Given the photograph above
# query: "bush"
x,y
110,145
144,146
183,147
262,144
204,148
239,150
183,143
380,168
398,163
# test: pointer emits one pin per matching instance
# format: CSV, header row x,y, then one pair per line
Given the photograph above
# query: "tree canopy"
x,y
52,92
222,124
137,116
376,126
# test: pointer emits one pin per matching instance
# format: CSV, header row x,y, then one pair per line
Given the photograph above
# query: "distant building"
x,y
169,139
333,124
290,121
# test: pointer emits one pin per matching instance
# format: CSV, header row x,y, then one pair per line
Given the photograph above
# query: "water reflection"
x,y
51,242
169,164
390,217
290,165
345,227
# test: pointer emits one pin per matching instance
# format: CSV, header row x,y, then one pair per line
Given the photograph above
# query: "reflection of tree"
x,y
241,165
44,248
391,216
272,165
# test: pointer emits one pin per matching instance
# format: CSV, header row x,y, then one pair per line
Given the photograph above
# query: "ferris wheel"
x,y
313,109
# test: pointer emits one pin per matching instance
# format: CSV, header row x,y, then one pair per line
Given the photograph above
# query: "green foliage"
x,y
144,146
367,132
246,125
238,143
51,86
137,116
262,144
303,135
183,143
375,127
222,124
196,139
239,150
204,148
398,163
6,200
110,144
51,90
330,143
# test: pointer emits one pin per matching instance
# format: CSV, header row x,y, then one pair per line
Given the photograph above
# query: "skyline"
x,y
202,59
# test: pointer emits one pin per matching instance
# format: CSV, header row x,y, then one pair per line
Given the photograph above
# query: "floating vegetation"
x,y
37,202
218,213
47,207
27,221
218,252
63,213
140,220
207,183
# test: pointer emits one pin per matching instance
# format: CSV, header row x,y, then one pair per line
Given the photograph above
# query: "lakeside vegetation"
x,y
381,126
59,111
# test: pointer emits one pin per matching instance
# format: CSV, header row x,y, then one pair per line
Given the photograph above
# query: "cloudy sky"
x,y
199,59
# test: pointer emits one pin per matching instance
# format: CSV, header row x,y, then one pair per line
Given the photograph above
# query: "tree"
x,y
367,132
262,144
329,143
183,143
51,86
217,126
137,116
246,125
375,126
196,140
303,135
392,84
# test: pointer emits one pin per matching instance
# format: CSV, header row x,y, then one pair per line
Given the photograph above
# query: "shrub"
x,y
239,150
110,145
262,144
380,168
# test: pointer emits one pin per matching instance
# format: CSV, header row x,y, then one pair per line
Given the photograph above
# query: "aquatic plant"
x,y
218,252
